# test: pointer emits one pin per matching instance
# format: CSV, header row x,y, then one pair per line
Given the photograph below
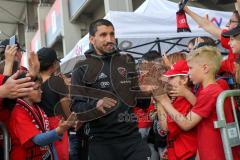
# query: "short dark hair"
x,y
38,78
151,56
47,57
99,22
192,41
45,65
208,41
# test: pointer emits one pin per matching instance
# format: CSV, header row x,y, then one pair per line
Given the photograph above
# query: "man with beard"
x,y
112,130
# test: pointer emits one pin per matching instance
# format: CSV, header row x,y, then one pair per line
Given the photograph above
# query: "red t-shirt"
x,y
4,113
209,144
22,128
184,144
143,116
62,145
227,65
223,84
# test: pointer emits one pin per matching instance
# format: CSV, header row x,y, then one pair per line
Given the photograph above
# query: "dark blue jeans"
x,y
78,146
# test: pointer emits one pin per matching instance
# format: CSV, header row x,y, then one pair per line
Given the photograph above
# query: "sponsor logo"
x,y
104,84
125,82
102,76
122,71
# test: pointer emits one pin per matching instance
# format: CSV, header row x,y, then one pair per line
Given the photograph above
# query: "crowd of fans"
x,y
41,107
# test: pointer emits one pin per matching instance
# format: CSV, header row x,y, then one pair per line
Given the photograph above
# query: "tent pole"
x,y
159,46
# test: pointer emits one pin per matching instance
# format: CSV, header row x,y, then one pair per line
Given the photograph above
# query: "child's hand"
x,y
179,90
63,126
164,154
34,64
186,9
198,40
166,60
10,53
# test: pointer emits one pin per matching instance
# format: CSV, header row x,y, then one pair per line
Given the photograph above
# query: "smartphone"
x,y
13,40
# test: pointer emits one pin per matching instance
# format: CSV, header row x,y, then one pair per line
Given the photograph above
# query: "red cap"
x,y
177,69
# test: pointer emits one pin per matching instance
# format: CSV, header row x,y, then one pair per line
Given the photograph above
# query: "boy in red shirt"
x,y
203,64
29,129
182,145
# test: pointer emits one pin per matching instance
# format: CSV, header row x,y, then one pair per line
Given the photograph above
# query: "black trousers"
x,y
125,150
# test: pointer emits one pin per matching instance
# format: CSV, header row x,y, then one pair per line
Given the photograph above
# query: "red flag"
x,y
182,25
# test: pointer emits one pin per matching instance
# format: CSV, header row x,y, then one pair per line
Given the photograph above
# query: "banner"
x,y
53,24
35,43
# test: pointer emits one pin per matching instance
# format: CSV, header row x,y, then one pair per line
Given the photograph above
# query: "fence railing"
x,y
230,132
6,142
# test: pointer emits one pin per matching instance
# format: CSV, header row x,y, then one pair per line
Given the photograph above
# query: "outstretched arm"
x,y
181,90
204,23
162,116
10,53
46,138
184,122
237,6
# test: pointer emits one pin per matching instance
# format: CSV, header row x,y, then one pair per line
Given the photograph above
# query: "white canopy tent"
x,y
154,21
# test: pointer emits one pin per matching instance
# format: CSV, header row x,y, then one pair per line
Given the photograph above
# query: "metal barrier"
x,y
6,143
230,132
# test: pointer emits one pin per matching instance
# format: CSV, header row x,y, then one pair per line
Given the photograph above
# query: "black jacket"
x,y
121,123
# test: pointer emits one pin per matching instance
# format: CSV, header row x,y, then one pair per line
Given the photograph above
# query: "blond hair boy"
x,y
203,65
